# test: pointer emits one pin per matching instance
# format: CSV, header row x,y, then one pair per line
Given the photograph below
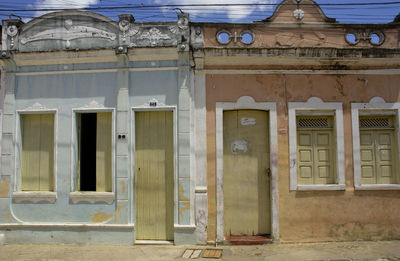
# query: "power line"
x,y
189,5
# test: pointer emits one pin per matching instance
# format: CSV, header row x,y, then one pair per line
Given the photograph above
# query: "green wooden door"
x,y
154,175
246,187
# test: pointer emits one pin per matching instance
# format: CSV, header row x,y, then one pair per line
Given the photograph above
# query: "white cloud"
x,y
61,4
232,12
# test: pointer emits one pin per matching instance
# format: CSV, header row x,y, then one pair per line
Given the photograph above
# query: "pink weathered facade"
x,y
305,67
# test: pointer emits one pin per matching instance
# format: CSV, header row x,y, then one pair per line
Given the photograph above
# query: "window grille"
x,y
314,123
376,123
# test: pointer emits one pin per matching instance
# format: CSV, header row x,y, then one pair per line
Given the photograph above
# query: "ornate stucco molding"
x,y
69,32
154,35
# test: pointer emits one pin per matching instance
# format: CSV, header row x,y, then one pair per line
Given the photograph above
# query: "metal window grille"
x,y
376,123
314,123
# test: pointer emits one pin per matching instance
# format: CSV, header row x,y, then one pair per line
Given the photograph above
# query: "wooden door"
x,y
315,155
154,175
378,160
246,185
37,167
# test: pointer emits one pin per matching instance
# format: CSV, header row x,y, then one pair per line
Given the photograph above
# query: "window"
x,y
316,145
37,162
94,166
378,150
376,145
315,150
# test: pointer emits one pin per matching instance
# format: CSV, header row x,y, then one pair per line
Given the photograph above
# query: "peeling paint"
x,y
101,217
182,193
357,230
238,145
123,186
185,207
247,121
8,217
5,187
118,212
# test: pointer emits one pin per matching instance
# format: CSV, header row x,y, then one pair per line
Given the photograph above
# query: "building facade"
x,y
94,109
195,133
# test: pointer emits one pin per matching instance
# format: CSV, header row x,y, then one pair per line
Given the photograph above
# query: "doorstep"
x,y
248,240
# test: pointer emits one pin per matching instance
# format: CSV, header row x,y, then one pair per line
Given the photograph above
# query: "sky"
x,y
144,10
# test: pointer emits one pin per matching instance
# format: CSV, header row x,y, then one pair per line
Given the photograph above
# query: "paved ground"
x,y
360,251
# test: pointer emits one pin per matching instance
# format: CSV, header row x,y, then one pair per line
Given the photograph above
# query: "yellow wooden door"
x,y
315,153
154,175
103,152
377,153
246,186
37,152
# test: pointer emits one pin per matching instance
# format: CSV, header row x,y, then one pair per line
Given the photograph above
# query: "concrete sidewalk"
x,y
382,251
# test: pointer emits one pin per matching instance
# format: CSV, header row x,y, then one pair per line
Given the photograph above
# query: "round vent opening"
x,y
247,37
223,37
376,38
352,38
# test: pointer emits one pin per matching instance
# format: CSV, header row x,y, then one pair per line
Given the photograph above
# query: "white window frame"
x,y
315,106
75,195
376,106
33,196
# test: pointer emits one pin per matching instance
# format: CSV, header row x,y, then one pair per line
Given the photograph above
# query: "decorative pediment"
x,y
299,11
93,105
69,32
78,30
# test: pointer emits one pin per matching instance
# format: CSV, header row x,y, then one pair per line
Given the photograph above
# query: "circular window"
x,y
247,37
352,38
223,37
376,38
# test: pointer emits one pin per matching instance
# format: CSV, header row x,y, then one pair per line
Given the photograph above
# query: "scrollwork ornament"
x,y
124,26
12,31
183,23
298,14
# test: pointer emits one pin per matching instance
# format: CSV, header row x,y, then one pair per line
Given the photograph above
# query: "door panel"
x,y
37,152
377,161
246,187
154,175
315,157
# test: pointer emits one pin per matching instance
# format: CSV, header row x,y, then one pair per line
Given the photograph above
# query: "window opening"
x,y
94,152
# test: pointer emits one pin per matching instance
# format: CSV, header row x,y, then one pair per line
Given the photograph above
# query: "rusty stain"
x,y
5,186
182,193
8,217
123,186
101,217
185,207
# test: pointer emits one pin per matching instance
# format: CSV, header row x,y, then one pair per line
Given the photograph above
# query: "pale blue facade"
x,y
69,62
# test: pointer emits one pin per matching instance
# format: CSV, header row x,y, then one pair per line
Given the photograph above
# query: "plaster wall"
x,y
310,216
292,35
119,86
